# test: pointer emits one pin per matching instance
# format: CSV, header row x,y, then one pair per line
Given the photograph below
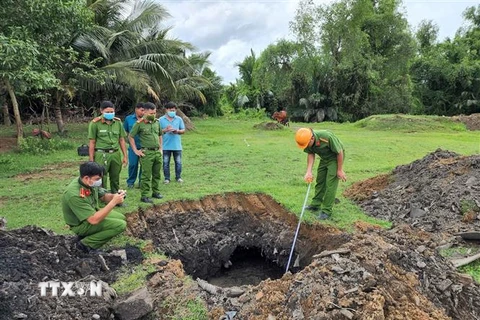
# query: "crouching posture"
x,y
80,204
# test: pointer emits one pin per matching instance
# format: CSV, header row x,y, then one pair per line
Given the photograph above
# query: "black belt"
x,y
152,149
106,150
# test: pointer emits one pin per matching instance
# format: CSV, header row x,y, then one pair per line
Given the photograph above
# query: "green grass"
x,y
472,269
221,156
458,251
132,278
188,309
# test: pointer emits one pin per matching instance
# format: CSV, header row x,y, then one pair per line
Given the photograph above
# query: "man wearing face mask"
x,y
172,128
150,135
81,210
107,137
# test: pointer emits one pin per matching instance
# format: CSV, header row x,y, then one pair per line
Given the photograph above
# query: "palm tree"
x,y
137,57
246,68
135,51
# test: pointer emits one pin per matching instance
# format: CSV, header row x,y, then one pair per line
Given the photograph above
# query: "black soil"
x,y
439,193
31,255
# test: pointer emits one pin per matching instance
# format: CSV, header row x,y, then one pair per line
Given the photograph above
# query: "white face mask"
x,y
97,183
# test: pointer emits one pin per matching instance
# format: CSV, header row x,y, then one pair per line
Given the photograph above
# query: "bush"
x,y
6,163
39,146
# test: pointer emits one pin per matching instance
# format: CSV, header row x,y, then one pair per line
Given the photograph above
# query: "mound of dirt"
x,y
438,193
31,255
381,275
472,122
269,126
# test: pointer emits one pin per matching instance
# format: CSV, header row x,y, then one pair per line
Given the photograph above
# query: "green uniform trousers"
x,y
326,186
113,166
96,235
151,163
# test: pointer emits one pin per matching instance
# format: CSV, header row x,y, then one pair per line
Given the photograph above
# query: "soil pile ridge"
x,y
392,274
439,193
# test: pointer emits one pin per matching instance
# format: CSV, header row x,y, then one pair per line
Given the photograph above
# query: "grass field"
x,y
224,155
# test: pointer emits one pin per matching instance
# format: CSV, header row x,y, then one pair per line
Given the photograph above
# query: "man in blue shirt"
x,y
132,157
172,127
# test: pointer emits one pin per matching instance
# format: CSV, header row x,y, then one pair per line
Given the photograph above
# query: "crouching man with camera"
x,y
80,204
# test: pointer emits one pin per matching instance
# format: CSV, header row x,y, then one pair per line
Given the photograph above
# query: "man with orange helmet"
x,y
330,170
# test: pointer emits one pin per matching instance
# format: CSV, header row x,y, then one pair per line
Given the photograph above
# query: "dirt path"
x,y
7,144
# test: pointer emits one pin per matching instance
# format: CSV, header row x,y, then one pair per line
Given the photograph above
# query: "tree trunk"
x,y
58,114
186,120
16,112
6,115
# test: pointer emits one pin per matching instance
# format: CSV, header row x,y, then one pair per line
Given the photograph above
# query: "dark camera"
x,y
82,150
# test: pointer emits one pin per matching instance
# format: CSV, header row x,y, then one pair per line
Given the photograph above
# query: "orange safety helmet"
x,y
303,137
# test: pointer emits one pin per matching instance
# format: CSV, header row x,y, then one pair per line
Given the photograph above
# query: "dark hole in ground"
x,y
205,234
247,266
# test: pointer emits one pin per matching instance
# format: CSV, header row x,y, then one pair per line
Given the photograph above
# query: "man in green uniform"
x,y
330,170
148,130
107,138
81,210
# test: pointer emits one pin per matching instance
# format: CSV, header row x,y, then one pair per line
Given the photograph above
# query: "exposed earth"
x,y
439,193
472,122
228,252
370,274
7,143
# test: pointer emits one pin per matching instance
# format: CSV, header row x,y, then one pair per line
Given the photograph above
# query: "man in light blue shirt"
x,y
133,159
172,127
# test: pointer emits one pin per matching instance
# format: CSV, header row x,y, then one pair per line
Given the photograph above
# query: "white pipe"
x,y
298,227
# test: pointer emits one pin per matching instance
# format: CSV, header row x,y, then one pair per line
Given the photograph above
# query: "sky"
x,y
230,29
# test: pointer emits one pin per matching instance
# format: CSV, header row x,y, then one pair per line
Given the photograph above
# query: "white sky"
x,y
229,29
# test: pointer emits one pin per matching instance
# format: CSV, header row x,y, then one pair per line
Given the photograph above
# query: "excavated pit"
x,y
371,274
233,239
247,267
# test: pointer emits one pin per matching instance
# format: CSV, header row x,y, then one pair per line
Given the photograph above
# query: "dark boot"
x,y
146,200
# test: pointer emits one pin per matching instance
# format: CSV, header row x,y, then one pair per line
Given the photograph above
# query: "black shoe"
x,y
323,216
130,186
86,249
146,200
312,208
157,196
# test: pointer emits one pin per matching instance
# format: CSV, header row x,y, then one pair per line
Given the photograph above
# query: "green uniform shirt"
x,y
106,135
79,202
148,132
326,145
